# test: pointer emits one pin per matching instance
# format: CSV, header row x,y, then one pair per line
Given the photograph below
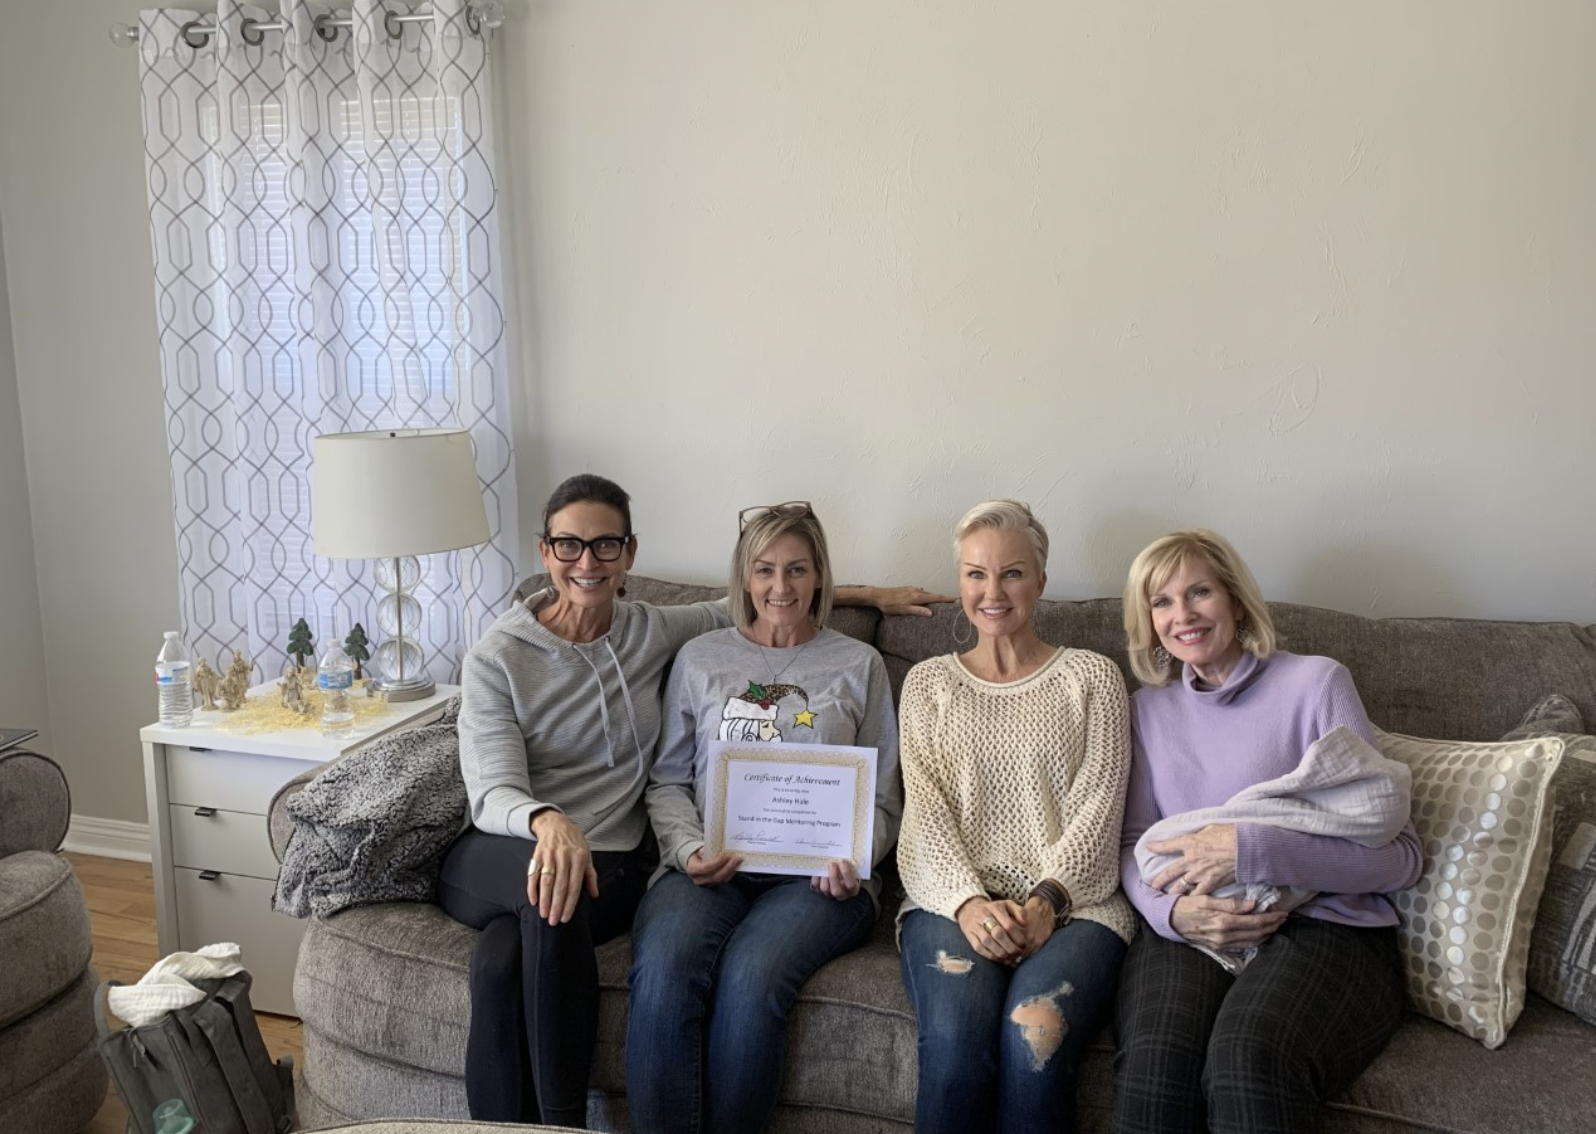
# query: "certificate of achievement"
x,y
791,808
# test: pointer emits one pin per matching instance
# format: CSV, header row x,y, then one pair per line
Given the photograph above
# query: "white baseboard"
x,y
108,838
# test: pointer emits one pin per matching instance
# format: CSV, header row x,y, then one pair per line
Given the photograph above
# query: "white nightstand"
x,y
207,790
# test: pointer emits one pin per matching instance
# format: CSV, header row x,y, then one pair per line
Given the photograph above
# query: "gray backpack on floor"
x,y
209,1054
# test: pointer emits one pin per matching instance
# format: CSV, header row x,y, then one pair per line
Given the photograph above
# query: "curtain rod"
x,y
480,15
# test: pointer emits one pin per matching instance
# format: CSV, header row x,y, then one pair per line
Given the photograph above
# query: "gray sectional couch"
x,y
52,1079
382,989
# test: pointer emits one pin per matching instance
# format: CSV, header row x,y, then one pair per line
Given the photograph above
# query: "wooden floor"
x,y
121,900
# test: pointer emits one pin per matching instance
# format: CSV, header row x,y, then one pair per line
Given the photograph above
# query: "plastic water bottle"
x,y
174,682
335,674
173,1117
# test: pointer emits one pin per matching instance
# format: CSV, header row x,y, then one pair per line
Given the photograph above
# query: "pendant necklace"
x,y
775,674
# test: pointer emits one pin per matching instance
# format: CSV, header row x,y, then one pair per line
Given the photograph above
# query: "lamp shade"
x,y
395,492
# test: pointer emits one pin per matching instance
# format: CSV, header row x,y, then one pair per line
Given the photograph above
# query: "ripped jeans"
x,y
999,1046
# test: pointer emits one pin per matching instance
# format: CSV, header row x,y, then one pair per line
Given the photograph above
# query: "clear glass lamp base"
x,y
410,689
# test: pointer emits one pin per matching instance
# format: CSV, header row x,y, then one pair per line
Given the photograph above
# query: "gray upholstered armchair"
x,y
52,1079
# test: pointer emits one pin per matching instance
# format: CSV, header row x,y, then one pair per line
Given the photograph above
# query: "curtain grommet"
x,y
194,27
249,31
390,23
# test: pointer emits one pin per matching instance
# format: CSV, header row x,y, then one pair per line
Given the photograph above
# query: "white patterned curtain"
x,y
326,260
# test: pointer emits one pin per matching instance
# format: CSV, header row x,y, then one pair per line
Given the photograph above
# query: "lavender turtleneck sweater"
x,y
1195,747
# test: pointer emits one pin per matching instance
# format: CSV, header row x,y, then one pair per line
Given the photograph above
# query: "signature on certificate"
x,y
750,838
820,844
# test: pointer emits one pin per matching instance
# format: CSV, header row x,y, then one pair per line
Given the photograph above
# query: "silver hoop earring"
x,y
964,620
1161,657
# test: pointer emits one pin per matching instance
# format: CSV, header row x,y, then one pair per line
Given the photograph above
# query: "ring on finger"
x,y
988,924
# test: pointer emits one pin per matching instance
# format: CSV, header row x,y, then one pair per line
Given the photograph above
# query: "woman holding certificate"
x,y
1015,759
559,716
719,953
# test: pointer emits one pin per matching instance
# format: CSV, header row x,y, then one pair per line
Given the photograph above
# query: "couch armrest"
x,y
278,824
35,802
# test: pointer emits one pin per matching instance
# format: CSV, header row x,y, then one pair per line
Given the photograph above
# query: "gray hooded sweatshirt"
x,y
571,725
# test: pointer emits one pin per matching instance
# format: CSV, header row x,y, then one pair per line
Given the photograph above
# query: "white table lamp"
x,y
391,495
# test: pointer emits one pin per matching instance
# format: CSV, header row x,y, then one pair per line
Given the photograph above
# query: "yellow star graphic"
x,y
805,718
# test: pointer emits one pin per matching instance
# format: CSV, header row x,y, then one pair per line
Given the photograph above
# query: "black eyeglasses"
x,y
791,508
606,549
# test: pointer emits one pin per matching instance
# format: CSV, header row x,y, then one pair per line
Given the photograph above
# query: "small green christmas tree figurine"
x,y
355,646
300,644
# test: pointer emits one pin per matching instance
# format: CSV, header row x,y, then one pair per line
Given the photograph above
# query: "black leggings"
x,y
534,987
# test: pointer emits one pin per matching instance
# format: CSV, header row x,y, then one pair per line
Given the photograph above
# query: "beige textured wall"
x,y
23,703
83,323
1317,276
1320,278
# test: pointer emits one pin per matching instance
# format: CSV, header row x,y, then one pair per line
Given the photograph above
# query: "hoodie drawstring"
x,y
604,712
626,695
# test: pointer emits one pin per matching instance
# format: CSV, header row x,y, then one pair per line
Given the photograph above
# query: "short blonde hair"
x,y
1154,567
1004,515
760,533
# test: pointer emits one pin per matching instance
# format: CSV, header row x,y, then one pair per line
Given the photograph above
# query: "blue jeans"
x,y
715,969
998,1046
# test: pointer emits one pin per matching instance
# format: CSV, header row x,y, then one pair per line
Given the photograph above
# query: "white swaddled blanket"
x,y
1343,788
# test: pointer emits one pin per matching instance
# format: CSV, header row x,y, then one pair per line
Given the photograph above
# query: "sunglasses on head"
x,y
759,511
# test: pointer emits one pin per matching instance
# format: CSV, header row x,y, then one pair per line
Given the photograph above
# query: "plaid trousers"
x,y
1200,1050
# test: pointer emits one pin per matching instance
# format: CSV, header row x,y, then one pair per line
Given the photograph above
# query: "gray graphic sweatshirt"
x,y
831,690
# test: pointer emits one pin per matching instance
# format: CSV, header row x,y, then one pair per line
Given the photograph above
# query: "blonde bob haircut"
x,y
1004,515
764,530
1157,564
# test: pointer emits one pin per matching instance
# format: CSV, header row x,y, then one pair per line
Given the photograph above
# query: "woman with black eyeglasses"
x,y
719,953
559,717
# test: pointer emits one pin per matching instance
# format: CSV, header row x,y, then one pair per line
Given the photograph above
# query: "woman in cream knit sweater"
x,y
1015,757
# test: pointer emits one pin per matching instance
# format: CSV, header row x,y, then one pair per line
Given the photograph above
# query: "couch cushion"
x,y
44,931
35,801
48,1038
390,979
1562,960
64,1101
382,973
1482,814
1551,715
1541,1081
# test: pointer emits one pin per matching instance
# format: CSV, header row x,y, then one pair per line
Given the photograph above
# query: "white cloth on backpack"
x,y
167,986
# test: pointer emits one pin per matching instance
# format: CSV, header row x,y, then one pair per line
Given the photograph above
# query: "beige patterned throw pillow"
x,y
1482,812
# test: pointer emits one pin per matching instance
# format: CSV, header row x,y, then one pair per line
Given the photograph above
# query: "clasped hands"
x,y
1206,862
1005,931
841,880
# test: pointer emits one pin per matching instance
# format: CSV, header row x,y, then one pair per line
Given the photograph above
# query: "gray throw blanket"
x,y
374,826
1343,787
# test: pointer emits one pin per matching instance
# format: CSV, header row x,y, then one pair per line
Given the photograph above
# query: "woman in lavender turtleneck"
x,y
1201,1048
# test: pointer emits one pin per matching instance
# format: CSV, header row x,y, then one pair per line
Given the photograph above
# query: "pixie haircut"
x,y
1157,564
759,534
1004,515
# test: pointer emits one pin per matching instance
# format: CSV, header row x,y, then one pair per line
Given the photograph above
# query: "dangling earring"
x,y
964,620
621,590
1161,657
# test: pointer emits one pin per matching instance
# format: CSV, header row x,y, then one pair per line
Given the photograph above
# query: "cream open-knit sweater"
x,y
1007,784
